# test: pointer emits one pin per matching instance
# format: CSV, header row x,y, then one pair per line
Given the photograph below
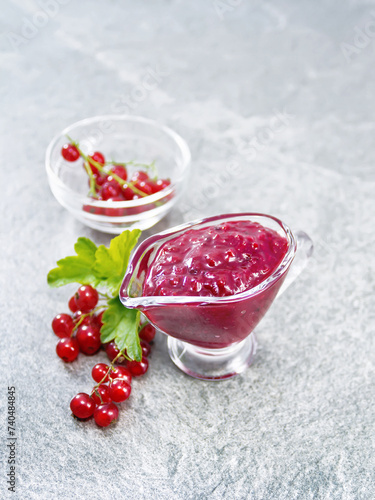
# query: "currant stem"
x,y
97,393
91,177
110,368
81,319
102,170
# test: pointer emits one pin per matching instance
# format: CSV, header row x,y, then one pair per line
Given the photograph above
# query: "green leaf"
x,y
78,268
121,325
111,263
101,266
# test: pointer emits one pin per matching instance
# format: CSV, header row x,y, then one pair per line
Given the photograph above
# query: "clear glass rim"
x,y
148,301
181,143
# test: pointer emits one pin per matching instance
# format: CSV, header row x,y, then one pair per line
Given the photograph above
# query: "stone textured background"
x,y
299,424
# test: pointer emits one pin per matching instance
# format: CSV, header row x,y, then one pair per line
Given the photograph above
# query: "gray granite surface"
x,y
276,100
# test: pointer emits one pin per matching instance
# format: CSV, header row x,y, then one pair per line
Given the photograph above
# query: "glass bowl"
x,y
122,139
210,337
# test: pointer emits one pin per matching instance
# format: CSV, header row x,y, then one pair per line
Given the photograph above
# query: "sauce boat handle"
x,y
304,251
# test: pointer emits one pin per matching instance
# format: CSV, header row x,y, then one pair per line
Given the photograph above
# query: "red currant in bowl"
x,y
93,160
120,171
150,163
70,152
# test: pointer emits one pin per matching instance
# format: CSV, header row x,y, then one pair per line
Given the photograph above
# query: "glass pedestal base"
x,y
212,364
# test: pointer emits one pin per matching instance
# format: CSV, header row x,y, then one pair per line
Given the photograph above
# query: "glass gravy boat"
x,y
211,338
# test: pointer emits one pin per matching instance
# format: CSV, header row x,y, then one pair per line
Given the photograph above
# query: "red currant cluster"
x,y
80,332
109,180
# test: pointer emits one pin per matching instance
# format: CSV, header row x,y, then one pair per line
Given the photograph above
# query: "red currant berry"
x,y
128,193
144,186
72,304
120,171
121,372
82,406
67,349
115,212
112,351
156,188
137,368
162,183
99,158
70,152
147,333
99,318
119,197
153,186
101,394
139,176
110,189
86,298
119,390
105,414
100,179
88,337
146,348
81,318
99,372
63,325
93,210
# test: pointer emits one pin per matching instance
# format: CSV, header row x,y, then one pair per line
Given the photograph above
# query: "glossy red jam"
x,y
215,261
